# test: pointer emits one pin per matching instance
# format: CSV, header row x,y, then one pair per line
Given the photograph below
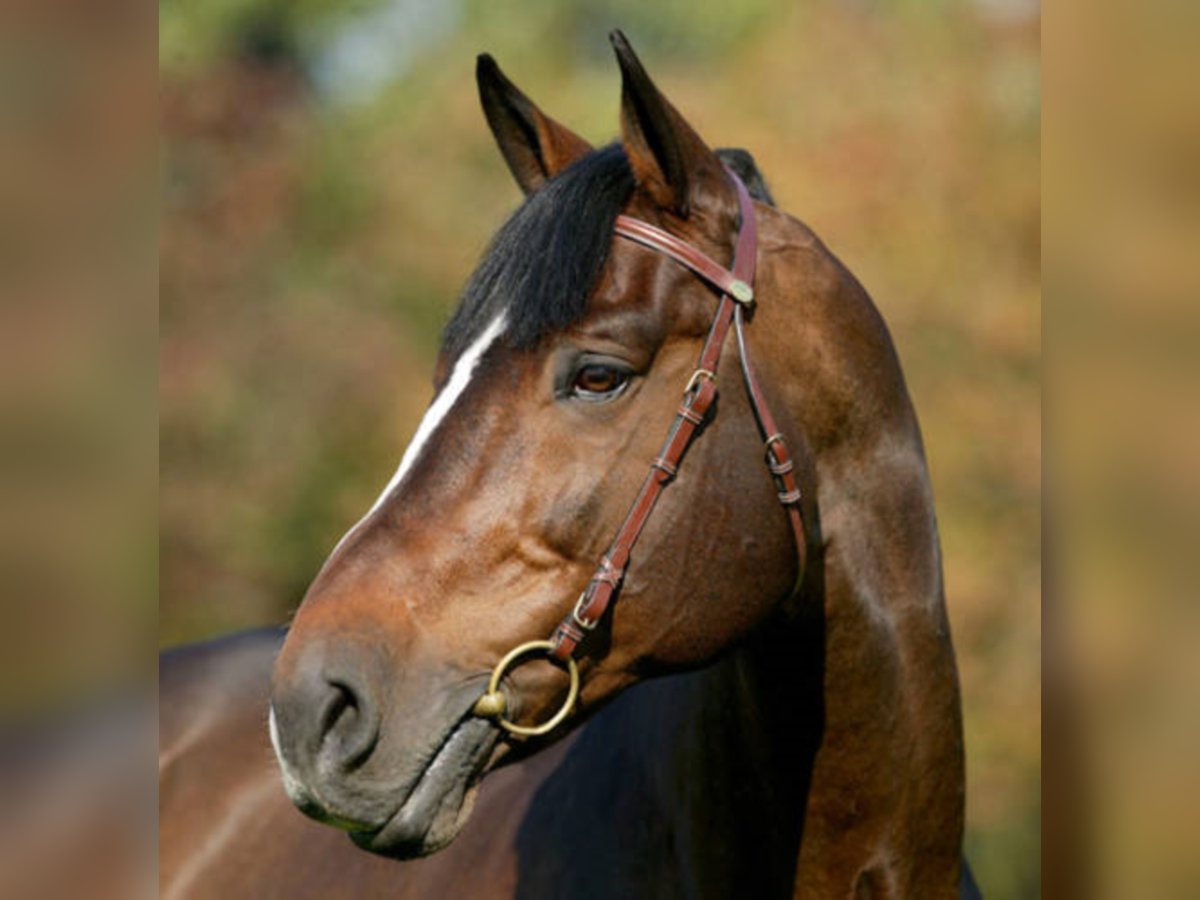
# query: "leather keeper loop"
x,y
607,573
789,498
665,467
779,468
566,639
563,650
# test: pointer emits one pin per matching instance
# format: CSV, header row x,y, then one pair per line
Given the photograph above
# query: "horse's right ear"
x,y
533,144
670,161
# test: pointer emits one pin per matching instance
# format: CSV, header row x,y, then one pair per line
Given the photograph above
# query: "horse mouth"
x,y
440,800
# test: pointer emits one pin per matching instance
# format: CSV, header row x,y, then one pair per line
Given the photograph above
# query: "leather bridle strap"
x,y
736,289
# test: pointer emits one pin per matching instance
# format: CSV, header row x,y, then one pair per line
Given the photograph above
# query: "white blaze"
x,y
464,368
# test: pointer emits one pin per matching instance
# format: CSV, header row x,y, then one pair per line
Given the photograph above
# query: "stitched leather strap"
x,y
736,288
657,239
780,462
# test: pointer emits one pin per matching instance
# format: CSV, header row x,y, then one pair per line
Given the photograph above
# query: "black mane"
x,y
543,263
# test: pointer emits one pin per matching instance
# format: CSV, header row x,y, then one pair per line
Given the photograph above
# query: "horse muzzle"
x,y
356,755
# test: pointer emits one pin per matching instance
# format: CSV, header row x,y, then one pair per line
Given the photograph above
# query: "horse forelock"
x,y
543,264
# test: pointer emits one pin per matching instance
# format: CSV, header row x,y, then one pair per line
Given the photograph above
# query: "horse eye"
x,y
596,381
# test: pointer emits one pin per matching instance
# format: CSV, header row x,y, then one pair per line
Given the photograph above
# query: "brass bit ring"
x,y
493,704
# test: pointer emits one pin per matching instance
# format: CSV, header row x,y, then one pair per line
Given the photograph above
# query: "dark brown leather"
x,y
657,239
698,398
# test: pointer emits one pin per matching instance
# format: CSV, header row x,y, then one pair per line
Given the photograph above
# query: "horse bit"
x,y
735,286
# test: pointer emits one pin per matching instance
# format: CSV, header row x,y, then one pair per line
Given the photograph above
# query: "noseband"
x,y
735,287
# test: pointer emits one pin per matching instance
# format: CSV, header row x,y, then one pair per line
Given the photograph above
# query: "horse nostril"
x,y
349,726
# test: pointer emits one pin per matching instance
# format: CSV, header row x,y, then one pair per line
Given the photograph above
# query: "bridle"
x,y
735,286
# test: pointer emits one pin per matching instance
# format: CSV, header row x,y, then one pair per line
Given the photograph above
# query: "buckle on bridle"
x,y
695,379
773,463
577,613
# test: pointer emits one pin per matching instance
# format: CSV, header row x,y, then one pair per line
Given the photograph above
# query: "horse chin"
x,y
445,827
443,834
439,806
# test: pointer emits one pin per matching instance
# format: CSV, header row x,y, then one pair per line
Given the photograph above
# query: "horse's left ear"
x,y
533,144
669,159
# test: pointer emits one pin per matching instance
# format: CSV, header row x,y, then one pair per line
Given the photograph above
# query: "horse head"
x,y
557,378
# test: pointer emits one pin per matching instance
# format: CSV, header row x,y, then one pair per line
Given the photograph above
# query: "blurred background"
x,y
78,439
1121,171
328,182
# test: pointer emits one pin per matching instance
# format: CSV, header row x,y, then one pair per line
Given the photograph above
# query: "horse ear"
x,y
534,145
669,159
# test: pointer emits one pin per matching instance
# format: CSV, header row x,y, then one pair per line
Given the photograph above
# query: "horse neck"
x,y
763,702
727,752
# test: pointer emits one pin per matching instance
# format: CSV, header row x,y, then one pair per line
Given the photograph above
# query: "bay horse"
x,y
765,704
